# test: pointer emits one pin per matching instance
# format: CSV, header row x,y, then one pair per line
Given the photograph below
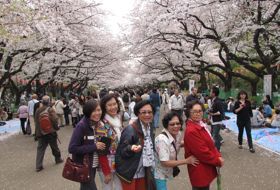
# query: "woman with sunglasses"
x,y
167,145
199,143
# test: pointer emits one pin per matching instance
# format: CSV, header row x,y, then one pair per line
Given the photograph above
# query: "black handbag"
x,y
77,172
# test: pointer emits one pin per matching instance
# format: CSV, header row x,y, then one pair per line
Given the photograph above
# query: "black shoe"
x,y
59,161
39,169
252,150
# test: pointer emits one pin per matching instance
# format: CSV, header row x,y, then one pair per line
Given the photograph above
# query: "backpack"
x,y
45,122
125,98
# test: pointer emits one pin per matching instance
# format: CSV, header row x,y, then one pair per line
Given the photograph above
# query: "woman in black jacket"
x,y
243,110
135,153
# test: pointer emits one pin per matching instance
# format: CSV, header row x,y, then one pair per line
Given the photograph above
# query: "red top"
x,y
198,142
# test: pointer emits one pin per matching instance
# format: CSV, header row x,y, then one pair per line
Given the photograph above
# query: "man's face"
x,y
194,91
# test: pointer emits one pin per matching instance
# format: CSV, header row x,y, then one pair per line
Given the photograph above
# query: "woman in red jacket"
x,y
199,143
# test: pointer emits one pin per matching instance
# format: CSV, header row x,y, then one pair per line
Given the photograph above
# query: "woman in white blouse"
x,y
167,145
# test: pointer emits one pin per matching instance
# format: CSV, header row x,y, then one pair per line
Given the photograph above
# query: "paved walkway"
x,y
242,170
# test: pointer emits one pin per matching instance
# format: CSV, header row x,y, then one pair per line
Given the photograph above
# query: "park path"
x,y
242,171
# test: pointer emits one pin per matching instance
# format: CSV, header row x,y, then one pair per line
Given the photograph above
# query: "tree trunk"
x,y
254,88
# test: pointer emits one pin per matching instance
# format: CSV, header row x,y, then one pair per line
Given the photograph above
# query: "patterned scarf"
x,y
148,151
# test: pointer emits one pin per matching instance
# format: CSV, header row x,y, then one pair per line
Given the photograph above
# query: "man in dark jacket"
x,y
217,115
155,100
45,139
193,96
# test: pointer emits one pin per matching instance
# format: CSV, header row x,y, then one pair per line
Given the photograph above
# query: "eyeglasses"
x,y
196,111
146,112
173,124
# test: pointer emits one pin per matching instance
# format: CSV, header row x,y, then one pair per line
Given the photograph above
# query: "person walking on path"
x,y
165,101
193,96
177,103
46,127
243,110
59,109
31,104
217,114
167,145
155,100
199,143
23,115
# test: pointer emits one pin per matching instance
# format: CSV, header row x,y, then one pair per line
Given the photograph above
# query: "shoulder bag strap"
x,y
173,144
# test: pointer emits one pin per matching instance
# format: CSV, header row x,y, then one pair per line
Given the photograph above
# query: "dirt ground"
x,y
242,171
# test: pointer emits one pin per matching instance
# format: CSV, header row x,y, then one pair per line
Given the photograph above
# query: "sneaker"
x,y
59,161
240,147
252,150
39,169
222,141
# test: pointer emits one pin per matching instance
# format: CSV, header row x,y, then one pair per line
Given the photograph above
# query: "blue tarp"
x,y
267,137
12,126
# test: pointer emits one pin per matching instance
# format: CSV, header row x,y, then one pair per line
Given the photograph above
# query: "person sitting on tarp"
x,y
3,115
267,110
258,120
275,121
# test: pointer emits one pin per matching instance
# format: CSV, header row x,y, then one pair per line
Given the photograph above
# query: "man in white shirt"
x,y
31,104
59,105
165,101
177,103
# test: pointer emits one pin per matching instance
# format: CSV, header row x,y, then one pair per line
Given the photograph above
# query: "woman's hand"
x,y
192,160
136,148
108,178
100,146
222,161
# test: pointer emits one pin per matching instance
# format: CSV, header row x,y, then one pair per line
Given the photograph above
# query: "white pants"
x,y
114,184
32,124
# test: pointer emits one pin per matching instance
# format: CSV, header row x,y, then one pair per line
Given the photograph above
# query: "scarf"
x,y
115,122
148,151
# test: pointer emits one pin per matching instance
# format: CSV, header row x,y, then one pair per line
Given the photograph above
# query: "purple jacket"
x,y
78,145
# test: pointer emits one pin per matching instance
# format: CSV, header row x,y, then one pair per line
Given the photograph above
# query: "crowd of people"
x,y
116,131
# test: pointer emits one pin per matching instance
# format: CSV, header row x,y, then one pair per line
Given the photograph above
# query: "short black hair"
x,y
216,91
277,111
168,117
89,107
141,104
104,101
190,105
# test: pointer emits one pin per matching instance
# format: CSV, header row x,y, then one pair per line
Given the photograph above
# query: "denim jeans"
x,y
156,117
215,132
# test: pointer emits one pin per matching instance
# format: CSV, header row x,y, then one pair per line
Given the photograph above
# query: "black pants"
x,y
91,184
22,124
66,116
200,188
247,125
215,132
43,142
74,121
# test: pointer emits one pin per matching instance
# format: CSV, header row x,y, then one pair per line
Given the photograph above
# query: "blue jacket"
x,y
80,145
155,99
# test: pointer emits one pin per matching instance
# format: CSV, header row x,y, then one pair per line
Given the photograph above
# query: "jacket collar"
x,y
195,124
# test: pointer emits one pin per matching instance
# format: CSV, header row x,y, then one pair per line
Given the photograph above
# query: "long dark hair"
x,y
242,92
